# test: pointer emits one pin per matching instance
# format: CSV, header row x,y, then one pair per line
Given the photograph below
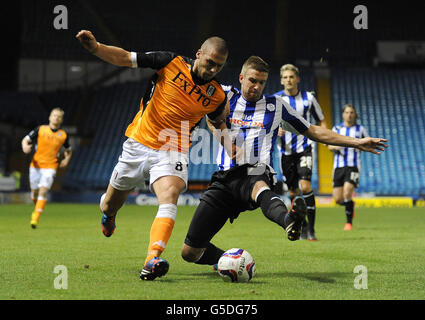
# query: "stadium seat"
x,y
390,111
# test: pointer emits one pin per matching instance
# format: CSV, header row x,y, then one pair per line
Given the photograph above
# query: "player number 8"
x,y
179,166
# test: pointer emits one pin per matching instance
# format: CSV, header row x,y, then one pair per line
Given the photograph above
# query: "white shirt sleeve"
x,y
133,59
317,112
291,120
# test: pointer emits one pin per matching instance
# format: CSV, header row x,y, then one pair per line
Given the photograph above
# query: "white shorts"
x,y
41,178
139,163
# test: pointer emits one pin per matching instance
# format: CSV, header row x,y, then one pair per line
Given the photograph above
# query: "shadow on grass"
x,y
210,275
321,277
351,239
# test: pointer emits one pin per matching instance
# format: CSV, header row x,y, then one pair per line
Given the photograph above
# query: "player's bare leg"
x,y
167,189
348,191
113,200
34,195
109,205
191,254
337,194
202,256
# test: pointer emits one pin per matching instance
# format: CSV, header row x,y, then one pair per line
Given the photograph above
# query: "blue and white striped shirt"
x,y
254,127
348,157
306,105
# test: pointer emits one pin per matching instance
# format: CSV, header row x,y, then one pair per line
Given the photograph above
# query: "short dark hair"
x,y
256,63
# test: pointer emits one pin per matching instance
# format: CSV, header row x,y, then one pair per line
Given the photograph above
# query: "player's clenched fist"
x,y
87,40
26,148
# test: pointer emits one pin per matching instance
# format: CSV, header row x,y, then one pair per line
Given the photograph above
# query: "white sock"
x,y
101,201
167,211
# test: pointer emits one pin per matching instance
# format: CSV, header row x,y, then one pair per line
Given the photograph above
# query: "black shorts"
x,y
346,174
228,195
296,167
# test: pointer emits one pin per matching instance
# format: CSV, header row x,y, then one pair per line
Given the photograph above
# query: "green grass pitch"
x,y
390,243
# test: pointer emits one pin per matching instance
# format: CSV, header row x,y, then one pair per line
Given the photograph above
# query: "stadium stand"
x,y
64,99
112,110
328,41
23,109
4,152
390,103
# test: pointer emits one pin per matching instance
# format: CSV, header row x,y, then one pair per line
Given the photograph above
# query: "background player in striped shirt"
x,y
247,182
296,150
182,92
47,140
346,167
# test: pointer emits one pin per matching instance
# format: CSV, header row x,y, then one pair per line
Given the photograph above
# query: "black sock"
x,y
273,207
311,210
211,255
349,209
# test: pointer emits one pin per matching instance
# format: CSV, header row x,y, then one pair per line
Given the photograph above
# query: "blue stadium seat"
x,y
392,111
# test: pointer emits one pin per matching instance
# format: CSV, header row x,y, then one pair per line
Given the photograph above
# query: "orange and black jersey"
x,y
48,144
174,103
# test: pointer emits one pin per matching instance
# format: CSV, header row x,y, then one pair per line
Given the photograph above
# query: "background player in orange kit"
x,y
48,140
182,92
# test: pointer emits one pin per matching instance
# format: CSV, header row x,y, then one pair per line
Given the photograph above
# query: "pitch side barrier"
x,y
374,202
192,199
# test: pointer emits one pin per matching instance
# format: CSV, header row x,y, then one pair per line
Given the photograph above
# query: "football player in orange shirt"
x,y
182,92
47,140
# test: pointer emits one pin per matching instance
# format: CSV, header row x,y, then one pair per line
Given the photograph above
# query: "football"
x,y
236,265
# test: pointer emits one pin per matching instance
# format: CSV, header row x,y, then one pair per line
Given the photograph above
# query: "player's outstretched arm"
x,y
326,136
113,55
335,149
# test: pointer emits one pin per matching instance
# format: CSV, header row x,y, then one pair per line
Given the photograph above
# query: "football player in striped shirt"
x,y
346,167
246,181
296,150
47,140
181,93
